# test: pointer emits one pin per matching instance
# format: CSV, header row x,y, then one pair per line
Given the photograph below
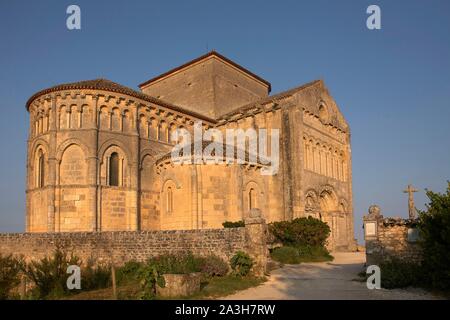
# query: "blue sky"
x,y
393,84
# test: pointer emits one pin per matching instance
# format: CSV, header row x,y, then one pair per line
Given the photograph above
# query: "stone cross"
x,y
411,209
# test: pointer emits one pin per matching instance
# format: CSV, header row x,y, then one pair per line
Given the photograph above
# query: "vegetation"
x,y
139,280
286,255
231,224
49,275
399,274
296,255
226,285
213,266
434,229
10,269
128,273
150,276
303,240
300,232
241,264
314,254
95,276
210,288
177,264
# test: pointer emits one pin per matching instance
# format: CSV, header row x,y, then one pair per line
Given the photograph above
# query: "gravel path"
x,y
325,280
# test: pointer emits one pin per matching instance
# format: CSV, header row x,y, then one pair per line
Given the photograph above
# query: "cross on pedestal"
x,y
411,209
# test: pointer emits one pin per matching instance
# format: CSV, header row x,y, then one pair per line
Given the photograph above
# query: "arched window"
x,y
114,169
40,173
169,200
252,199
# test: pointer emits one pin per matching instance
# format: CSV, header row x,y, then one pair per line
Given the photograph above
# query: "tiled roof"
x,y
168,155
209,54
108,85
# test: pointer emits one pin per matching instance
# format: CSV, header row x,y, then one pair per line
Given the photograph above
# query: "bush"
x,y
300,232
399,274
49,274
177,264
288,255
241,263
313,254
434,226
213,266
95,276
10,268
128,272
150,277
231,224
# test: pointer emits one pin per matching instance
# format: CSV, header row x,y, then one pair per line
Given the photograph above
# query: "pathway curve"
x,y
325,280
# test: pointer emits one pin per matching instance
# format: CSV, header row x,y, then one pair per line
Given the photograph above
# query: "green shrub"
x,y
177,264
231,224
434,226
300,232
313,253
95,276
241,264
288,255
399,274
49,274
213,266
128,272
10,268
150,277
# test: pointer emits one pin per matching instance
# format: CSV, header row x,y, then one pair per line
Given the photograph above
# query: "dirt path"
x,y
325,280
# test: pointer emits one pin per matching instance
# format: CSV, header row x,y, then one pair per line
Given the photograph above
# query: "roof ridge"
x,y
202,57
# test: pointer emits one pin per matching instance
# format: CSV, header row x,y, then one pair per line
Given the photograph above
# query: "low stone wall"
x,y
123,246
390,238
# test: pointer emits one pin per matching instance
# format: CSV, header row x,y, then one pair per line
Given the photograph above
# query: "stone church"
x,y
97,154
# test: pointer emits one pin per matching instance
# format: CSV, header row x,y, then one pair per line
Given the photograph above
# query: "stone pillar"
x,y
93,166
51,171
134,174
372,225
256,242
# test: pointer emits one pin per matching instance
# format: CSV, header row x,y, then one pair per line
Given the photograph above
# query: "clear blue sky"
x,y
393,85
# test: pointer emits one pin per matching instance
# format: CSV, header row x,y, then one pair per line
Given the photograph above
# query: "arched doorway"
x,y
328,209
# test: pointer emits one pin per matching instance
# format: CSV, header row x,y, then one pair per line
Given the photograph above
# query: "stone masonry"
x,y
390,238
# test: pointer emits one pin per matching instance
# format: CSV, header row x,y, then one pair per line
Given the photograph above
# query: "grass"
x,y
299,254
223,286
211,288
128,291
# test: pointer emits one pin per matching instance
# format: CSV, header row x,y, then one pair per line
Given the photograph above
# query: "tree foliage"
x,y
434,229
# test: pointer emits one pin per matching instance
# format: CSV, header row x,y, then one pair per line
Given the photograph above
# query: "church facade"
x,y
99,154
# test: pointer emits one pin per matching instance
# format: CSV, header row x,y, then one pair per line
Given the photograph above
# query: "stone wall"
x,y
124,246
390,238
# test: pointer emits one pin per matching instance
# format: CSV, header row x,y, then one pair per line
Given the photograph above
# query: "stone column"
x,y
51,172
93,168
135,149
255,234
